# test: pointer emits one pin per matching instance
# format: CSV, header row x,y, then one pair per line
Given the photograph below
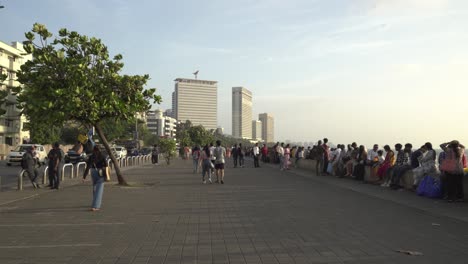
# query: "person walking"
x,y
256,154
155,155
241,154
287,156
235,155
212,148
205,163
55,158
220,154
97,163
195,157
280,152
265,153
28,164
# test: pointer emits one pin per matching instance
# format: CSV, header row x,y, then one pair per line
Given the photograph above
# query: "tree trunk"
x,y
120,177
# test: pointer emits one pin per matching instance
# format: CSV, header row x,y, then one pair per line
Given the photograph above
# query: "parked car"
x,y
146,151
16,156
72,157
121,152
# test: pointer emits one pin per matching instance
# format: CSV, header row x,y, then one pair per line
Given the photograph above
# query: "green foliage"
x,y
73,77
200,136
167,148
43,133
150,139
70,134
188,135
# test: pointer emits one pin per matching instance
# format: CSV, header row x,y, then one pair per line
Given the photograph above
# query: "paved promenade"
x,y
259,216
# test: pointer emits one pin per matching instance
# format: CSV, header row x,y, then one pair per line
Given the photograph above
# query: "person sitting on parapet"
x,y
387,164
407,165
426,162
373,155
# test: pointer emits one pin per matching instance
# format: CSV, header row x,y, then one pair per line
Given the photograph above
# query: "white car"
x,y
16,155
121,152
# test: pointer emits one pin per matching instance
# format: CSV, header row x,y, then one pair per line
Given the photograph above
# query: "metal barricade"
x,y
78,166
129,161
63,170
134,161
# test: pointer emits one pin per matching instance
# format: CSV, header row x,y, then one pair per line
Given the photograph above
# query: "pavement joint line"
x,y
50,246
47,225
20,199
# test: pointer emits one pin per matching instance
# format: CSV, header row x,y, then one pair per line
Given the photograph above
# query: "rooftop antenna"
x,y
196,74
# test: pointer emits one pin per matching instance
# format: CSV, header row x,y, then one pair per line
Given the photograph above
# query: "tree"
x,y
72,77
200,136
167,147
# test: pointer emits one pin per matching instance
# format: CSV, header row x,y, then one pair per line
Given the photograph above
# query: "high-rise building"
x,y
241,112
268,126
168,113
174,105
160,125
11,123
197,101
257,130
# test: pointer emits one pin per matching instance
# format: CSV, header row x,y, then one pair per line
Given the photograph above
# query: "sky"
x,y
365,71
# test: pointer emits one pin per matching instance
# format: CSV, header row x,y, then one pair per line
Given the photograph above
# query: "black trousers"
x,y
234,158
32,174
241,160
256,165
398,172
54,177
325,165
359,171
455,186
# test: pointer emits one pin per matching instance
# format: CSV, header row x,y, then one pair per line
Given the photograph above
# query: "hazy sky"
x,y
370,71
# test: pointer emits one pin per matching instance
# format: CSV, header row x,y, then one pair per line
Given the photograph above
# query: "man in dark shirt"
x,y
56,158
28,164
235,155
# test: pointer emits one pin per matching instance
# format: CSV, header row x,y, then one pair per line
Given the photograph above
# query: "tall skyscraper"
x,y
257,130
197,101
268,126
241,112
174,105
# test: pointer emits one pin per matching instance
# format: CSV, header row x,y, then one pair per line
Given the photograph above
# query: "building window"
x,y
9,122
11,75
9,141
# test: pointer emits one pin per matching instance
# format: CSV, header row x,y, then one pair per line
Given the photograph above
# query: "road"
x,y
8,174
258,216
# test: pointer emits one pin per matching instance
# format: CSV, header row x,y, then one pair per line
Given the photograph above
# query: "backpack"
x,y
88,147
195,154
24,163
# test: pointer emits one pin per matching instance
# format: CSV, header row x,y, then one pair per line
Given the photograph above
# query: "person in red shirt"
x,y
264,153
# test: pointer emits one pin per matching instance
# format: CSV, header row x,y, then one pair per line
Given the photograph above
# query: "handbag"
x,y
105,173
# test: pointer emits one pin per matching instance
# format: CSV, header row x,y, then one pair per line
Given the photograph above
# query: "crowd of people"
x,y
387,166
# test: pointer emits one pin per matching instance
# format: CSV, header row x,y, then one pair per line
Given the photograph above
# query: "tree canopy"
x,y
73,77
